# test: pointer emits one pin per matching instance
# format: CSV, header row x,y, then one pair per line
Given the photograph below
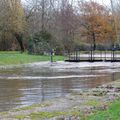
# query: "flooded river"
x,y
33,83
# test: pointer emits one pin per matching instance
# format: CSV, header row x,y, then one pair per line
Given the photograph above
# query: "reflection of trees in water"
x,y
66,85
55,88
42,91
62,86
95,81
115,76
110,77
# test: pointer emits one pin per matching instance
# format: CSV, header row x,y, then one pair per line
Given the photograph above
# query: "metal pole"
x,y
113,55
105,54
76,55
51,56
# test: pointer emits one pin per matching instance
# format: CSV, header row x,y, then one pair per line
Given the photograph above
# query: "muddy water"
x,y
25,85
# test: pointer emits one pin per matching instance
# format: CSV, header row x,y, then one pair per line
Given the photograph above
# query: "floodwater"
x,y
33,83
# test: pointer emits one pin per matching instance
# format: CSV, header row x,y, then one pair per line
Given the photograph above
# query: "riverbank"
x,y
94,104
16,58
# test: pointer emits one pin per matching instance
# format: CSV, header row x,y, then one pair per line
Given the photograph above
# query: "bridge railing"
x,y
77,56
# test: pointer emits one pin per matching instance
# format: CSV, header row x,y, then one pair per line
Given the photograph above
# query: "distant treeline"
x,y
40,26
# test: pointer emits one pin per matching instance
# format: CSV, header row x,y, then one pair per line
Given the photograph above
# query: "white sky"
x,y
105,2
100,1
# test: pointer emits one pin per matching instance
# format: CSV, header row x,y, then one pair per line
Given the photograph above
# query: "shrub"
x,y
40,43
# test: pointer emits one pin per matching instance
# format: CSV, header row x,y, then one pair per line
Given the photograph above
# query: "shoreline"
x,y
77,105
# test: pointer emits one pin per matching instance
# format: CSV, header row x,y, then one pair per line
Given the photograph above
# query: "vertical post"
x,y
101,55
76,55
92,52
105,54
51,55
79,54
113,54
69,55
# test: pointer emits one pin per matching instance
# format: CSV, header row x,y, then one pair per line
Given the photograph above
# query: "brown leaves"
x,y
98,21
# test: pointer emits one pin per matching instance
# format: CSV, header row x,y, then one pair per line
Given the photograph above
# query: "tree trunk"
x,y
19,38
43,15
94,41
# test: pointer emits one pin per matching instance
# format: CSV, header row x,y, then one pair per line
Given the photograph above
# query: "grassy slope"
x,y
113,113
8,58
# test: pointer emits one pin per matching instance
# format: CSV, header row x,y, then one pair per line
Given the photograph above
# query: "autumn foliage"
x,y
97,22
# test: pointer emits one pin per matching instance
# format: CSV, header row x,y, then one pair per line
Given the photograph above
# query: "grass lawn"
x,y
9,58
113,113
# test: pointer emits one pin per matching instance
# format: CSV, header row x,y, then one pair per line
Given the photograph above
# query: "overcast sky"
x,y
105,2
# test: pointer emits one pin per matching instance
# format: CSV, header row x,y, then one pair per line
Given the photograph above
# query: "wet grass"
x,y
93,103
48,115
15,58
45,115
33,106
20,117
113,113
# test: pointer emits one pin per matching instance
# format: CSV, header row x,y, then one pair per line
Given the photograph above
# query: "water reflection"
x,y
46,81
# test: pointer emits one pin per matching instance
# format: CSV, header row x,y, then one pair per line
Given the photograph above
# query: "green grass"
x,y
13,58
113,113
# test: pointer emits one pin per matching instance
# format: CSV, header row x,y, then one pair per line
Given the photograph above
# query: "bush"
x,y
40,43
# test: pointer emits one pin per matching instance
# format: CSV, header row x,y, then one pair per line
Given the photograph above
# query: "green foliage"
x,y
40,42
